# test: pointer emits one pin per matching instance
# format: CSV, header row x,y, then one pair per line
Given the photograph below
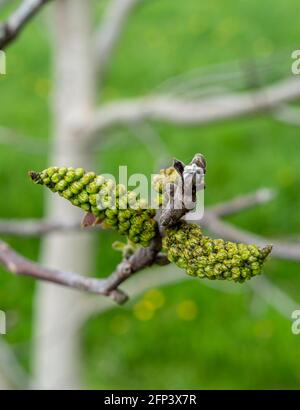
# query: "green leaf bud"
x,y
111,213
67,193
61,185
79,173
62,171
124,227
92,199
93,188
51,171
70,176
86,207
124,215
47,181
97,212
56,178
75,201
76,187
87,178
83,197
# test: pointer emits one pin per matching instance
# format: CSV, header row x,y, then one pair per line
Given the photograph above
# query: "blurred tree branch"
x,y
10,29
23,143
288,115
37,227
12,371
187,111
110,30
243,202
283,250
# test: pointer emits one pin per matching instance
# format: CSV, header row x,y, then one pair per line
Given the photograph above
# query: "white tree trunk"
x,y
56,348
4,384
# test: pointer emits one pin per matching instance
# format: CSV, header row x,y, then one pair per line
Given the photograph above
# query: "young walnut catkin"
x,y
204,257
112,204
184,243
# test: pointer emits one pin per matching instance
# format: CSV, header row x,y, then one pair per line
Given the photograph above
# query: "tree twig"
x,y
146,134
23,143
10,29
37,227
274,296
243,202
20,265
189,112
282,250
142,258
288,115
110,30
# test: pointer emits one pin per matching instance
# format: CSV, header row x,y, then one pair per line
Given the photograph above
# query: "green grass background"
x,y
198,336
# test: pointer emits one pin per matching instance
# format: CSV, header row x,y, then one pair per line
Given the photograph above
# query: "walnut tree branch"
x,y
283,250
37,227
110,30
19,265
191,112
243,202
142,258
10,29
288,115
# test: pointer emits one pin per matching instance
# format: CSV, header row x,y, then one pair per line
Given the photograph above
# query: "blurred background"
x,y
186,334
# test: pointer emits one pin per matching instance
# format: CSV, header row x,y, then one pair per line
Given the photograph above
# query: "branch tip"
x,y
267,250
200,161
35,176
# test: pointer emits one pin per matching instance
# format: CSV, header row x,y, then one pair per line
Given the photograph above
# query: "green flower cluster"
x,y
112,204
160,181
212,258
